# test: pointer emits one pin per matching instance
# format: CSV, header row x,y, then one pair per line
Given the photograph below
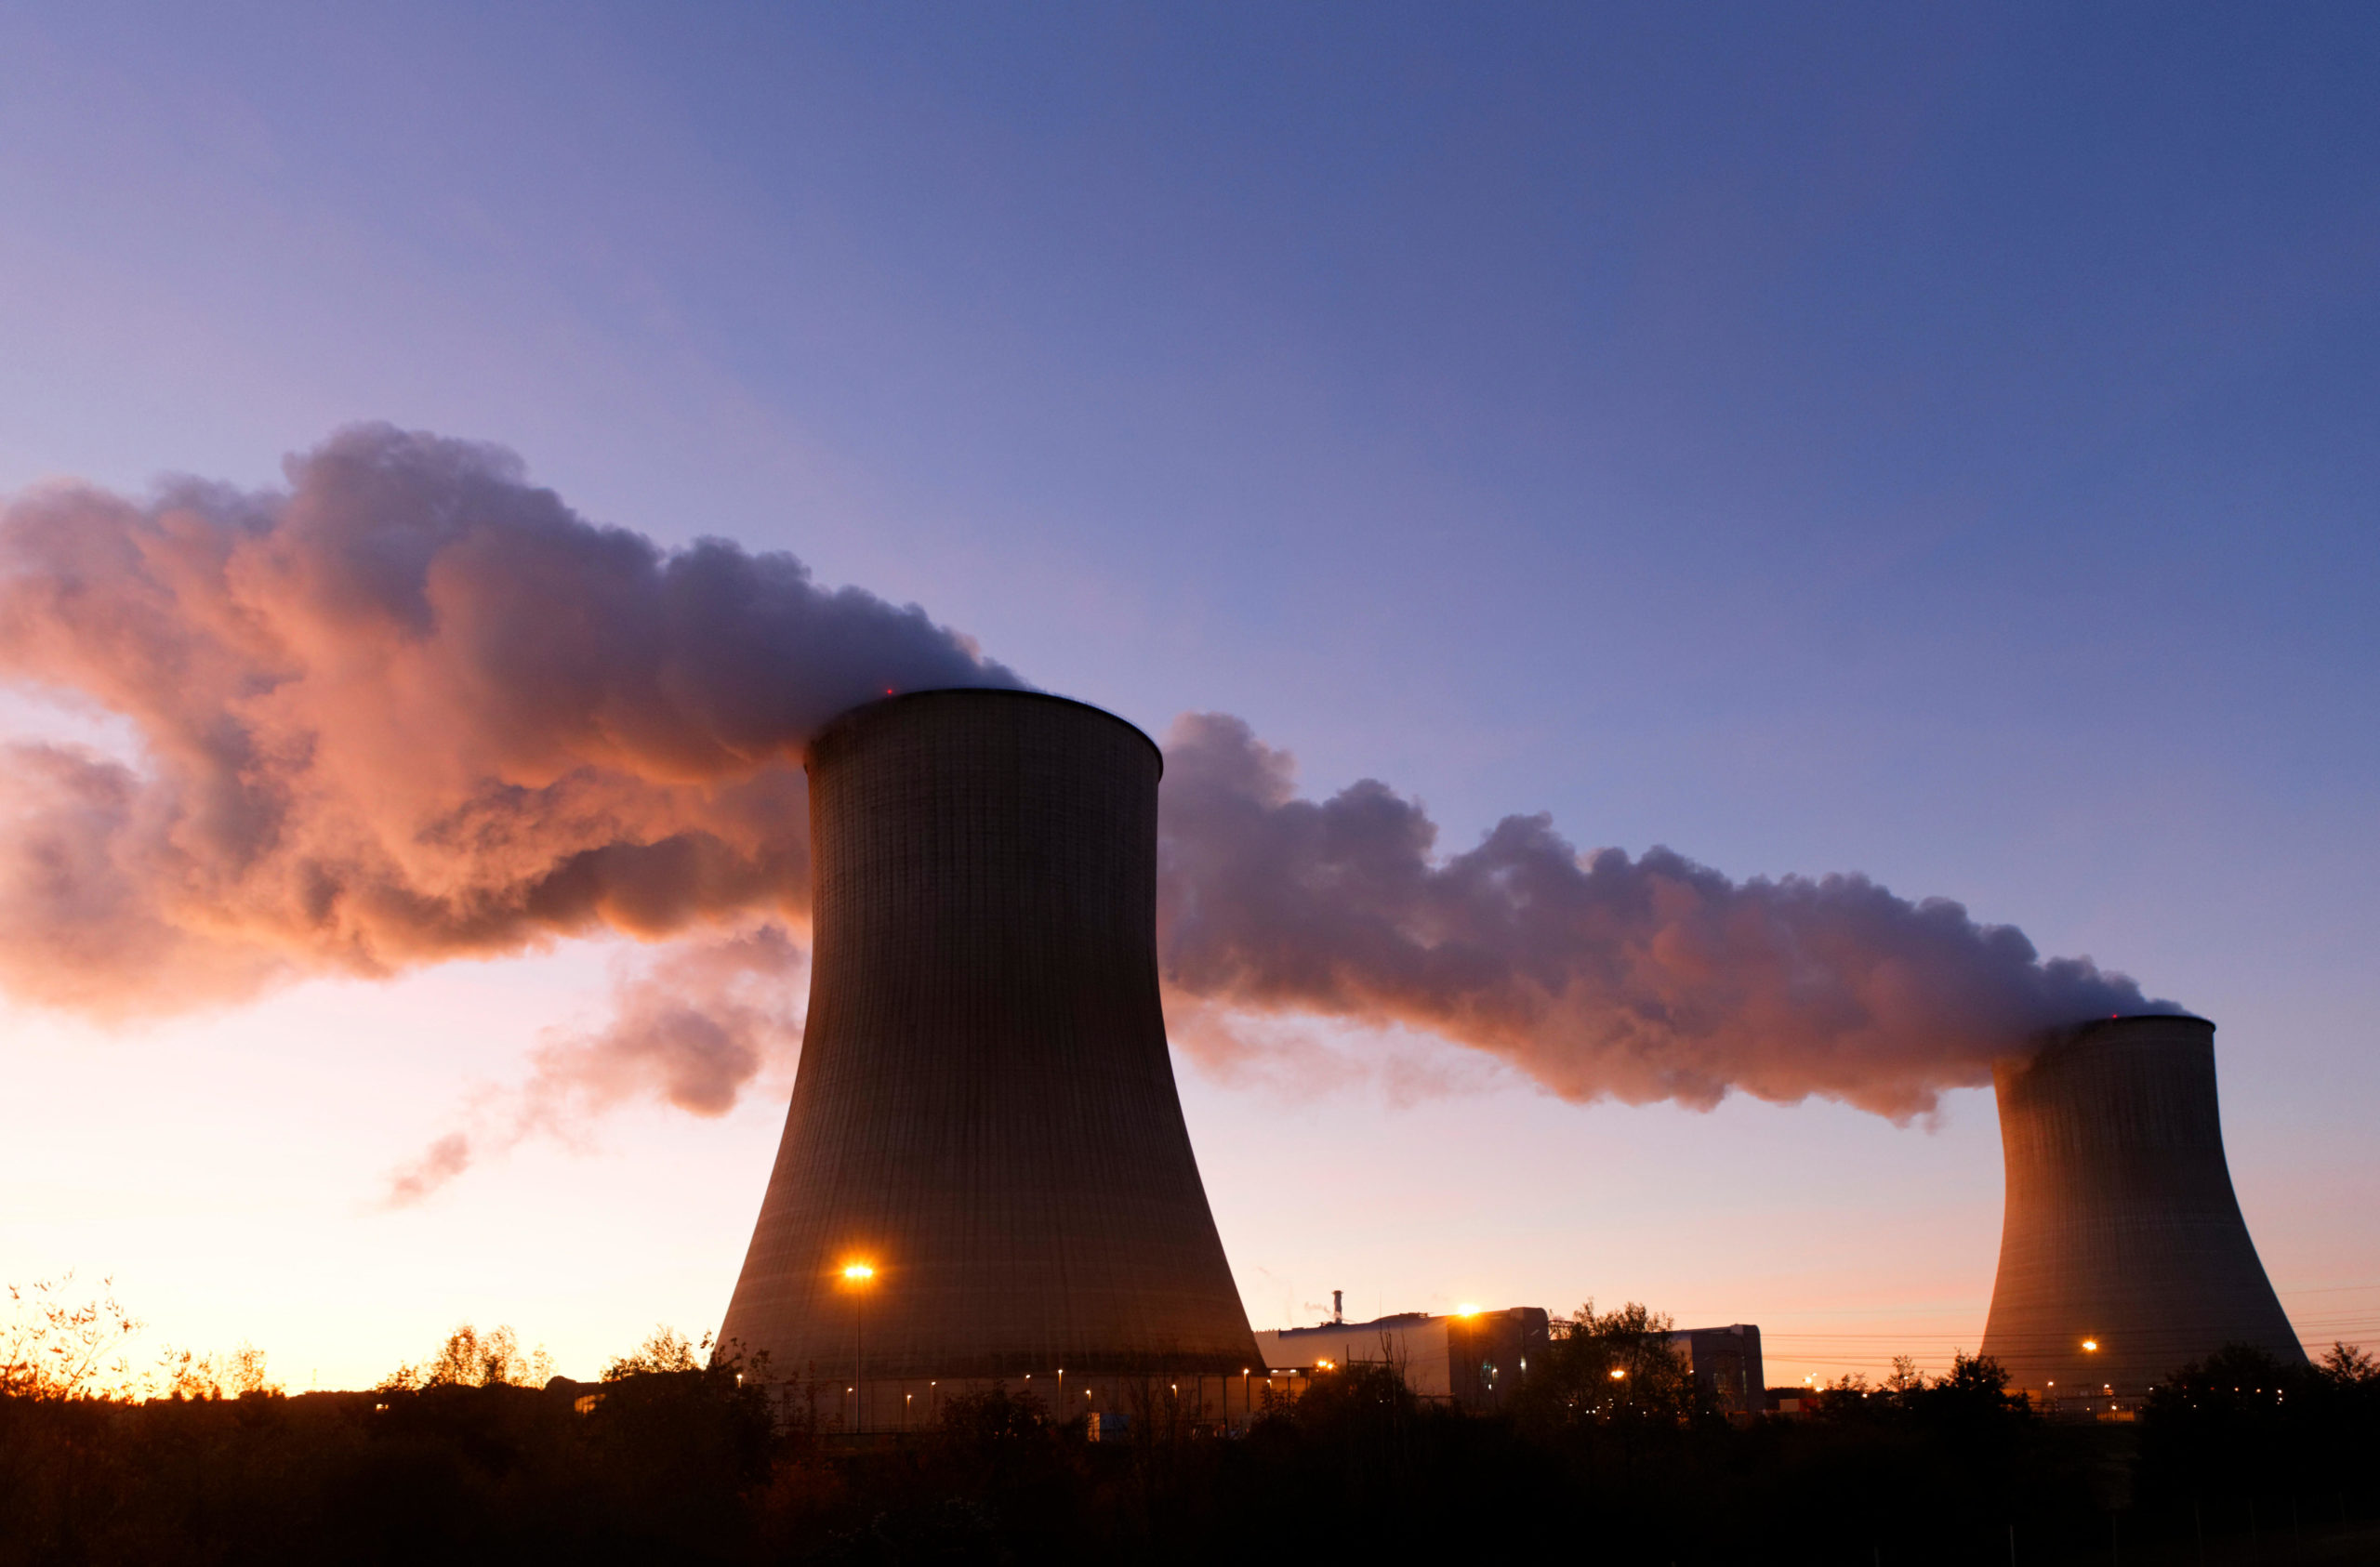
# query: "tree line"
x,y
687,1452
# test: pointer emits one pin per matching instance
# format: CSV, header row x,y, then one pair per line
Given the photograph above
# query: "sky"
x,y
1938,443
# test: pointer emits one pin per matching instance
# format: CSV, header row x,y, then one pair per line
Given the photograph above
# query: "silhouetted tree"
x,y
56,1345
1618,1366
473,1359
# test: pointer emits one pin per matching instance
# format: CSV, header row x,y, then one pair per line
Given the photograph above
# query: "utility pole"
x,y
857,1276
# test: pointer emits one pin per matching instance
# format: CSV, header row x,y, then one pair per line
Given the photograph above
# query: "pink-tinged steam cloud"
x,y
409,708
693,1028
413,707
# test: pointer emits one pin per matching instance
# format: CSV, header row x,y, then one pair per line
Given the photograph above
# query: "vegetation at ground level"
x,y
684,1455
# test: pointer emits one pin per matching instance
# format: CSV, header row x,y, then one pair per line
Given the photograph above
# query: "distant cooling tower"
x,y
2121,1230
985,1116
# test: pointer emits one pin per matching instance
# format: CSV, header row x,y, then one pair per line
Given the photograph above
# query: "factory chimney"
x,y
985,1172
2122,1253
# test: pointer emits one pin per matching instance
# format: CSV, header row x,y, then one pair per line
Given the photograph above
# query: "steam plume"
x,y
693,1028
412,708
408,708
1599,976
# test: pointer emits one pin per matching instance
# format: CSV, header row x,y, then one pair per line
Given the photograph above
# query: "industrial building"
x,y
985,1174
2122,1253
1472,1360
1475,1360
1725,1362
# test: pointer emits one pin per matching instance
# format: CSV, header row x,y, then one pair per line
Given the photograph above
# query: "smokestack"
x,y
985,1112
2122,1253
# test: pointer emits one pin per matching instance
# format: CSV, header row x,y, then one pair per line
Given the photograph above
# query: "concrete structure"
x,y
1727,1366
2122,1253
985,1117
1474,1360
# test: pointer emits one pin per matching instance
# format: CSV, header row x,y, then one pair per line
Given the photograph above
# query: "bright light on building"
x,y
858,1272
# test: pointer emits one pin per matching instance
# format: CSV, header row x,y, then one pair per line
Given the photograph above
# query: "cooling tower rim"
x,y
2075,1033
851,718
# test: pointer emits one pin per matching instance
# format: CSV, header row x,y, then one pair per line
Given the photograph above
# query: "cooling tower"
x,y
985,1115
2121,1230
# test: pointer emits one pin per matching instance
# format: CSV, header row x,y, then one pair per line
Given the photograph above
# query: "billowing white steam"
x,y
413,707
410,708
1597,974
692,1029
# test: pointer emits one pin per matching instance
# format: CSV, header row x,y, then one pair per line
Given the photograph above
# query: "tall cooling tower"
x,y
2121,1230
984,1114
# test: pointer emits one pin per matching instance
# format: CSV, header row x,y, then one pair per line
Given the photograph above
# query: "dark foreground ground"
x,y
2245,1463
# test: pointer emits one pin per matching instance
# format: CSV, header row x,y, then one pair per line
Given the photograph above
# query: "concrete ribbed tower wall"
x,y
2122,1229
986,1115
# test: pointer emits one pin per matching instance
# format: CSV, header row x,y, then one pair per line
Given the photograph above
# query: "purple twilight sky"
x,y
1935,443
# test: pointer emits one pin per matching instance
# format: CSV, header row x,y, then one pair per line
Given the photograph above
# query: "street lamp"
x,y
857,1276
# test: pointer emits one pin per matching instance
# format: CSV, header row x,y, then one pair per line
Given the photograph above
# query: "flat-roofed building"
x,y
1474,1360
1727,1366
